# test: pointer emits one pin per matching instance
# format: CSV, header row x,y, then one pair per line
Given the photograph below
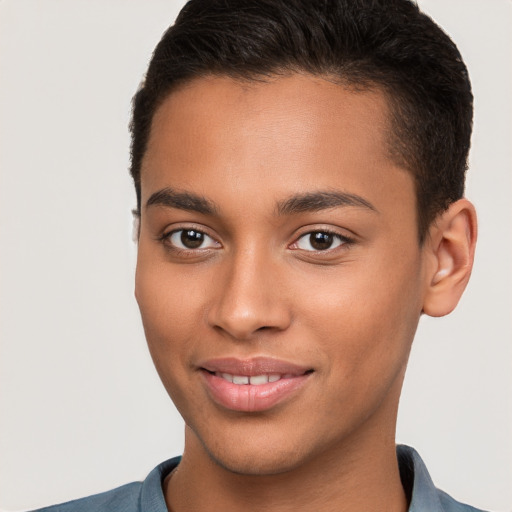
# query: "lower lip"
x,y
251,398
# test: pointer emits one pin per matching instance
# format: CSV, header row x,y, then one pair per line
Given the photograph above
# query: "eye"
x,y
189,239
320,241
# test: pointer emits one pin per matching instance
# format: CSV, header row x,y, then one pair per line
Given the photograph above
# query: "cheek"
x,y
168,309
170,317
365,317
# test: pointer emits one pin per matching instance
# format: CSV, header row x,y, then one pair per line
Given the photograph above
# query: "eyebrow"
x,y
182,201
299,203
322,200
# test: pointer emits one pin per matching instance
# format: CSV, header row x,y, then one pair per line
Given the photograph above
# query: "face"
x,y
279,274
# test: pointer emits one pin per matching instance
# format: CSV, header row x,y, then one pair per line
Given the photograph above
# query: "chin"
x,y
259,463
255,454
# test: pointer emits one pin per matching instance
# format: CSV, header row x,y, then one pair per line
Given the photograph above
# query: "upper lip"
x,y
253,366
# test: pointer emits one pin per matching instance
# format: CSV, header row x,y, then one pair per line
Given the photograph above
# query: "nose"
x,y
250,298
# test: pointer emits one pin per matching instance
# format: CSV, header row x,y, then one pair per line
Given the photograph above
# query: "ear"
x,y
450,250
136,226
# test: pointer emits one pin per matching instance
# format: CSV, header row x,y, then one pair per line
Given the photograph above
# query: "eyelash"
x,y
167,239
342,240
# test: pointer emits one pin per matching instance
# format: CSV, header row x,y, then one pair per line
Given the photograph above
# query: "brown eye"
x,y
320,241
191,239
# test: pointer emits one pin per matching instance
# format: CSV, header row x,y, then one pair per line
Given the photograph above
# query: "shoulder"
x,y
133,497
124,498
451,505
424,496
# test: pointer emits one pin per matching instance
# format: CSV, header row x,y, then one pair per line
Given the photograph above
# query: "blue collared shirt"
x,y
147,496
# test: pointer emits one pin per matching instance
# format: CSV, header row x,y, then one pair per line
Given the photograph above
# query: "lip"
x,y
253,366
249,397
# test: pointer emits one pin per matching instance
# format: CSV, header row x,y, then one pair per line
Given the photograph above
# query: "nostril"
x,y
241,317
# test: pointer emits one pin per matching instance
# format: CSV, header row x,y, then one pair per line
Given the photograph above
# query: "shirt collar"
x,y
152,495
417,483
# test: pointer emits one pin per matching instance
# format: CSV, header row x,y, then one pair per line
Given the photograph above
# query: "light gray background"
x,y
81,408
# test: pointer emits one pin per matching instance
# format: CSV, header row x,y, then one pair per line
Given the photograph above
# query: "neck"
x,y
357,477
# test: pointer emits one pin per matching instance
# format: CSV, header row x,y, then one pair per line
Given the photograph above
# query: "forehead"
x,y
297,131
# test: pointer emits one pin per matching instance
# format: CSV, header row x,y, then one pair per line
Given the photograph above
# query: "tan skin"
x,y
258,285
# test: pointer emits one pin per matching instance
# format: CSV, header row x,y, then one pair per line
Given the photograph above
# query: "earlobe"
x,y
451,248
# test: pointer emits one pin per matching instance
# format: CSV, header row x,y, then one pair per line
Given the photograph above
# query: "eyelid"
x,y
345,240
175,241
165,238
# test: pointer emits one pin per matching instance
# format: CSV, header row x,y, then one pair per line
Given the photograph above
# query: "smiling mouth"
x,y
255,380
253,385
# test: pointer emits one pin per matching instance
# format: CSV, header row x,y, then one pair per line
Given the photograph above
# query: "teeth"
x,y
240,379
255,380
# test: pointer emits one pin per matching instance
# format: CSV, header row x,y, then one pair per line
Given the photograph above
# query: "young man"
x,y
299,168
